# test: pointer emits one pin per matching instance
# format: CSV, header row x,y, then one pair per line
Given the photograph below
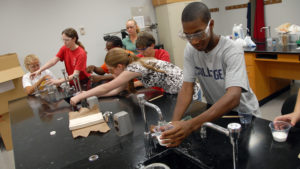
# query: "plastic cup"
x,y
280,130
160,140
245,117
158,131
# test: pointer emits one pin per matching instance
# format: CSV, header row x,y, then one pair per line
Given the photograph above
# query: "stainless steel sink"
x,y
176,159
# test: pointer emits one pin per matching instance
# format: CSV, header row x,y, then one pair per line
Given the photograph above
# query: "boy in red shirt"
x,y
145,46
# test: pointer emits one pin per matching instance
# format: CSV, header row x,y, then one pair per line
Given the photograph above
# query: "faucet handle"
x,y
141,98
234,127
234,131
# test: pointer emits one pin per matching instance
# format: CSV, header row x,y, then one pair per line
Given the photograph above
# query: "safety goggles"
x,y
141,49
195,36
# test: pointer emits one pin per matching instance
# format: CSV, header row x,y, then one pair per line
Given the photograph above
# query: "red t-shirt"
x,y
74,60
160,54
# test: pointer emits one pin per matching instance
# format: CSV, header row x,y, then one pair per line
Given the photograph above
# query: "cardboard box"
x,y
11,76
10,70
5,131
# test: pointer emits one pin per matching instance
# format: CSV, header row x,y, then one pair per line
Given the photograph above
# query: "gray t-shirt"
x,y
219,69
170,80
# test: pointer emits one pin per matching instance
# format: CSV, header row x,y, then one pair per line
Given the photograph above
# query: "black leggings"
x,y
289,105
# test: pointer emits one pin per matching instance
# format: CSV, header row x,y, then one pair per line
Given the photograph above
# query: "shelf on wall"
x,y
156,3
266,2
214,9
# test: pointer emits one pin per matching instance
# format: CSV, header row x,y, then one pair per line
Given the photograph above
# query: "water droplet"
x,y
60,118
52,133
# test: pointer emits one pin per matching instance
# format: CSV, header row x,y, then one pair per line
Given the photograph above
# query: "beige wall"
x,y
169,24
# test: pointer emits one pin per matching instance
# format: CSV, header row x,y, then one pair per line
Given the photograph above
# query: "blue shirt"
x,y
127,43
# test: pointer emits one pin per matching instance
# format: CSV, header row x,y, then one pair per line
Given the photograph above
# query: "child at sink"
x,y
126,67
32,64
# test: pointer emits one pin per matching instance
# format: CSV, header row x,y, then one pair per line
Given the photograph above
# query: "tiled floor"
x,y
6,158
269,111
273,108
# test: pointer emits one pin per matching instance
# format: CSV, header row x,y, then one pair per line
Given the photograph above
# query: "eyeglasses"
x,y
129,27
195,36
34,65
66,39
142,50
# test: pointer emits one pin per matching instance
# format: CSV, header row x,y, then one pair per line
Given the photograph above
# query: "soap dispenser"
x,y
269,38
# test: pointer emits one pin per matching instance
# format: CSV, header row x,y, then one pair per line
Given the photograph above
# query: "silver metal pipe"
x,y
233,132
78,82
148,142
215,127
74,81
141,101
160,116
64,73
268,28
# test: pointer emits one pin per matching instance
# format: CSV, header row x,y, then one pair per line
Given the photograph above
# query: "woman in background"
x,y
133,30
73,54
32,64
126,67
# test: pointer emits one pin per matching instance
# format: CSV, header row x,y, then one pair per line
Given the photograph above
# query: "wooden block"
x,y
86,121
5,131
84,132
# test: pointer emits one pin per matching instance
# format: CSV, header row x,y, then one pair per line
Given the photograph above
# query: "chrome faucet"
x,y
79,90
142,102
67,88
147,134
233,132
268,28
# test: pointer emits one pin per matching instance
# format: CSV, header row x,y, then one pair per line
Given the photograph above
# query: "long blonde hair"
x,y
117,56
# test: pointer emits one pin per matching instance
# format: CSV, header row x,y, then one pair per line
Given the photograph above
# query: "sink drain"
x,y
93,157
157,165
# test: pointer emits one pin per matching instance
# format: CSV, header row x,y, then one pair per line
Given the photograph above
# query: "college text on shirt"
x,y
217,74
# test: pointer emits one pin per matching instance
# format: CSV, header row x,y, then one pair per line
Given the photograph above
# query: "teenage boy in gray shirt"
x,y
219,66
